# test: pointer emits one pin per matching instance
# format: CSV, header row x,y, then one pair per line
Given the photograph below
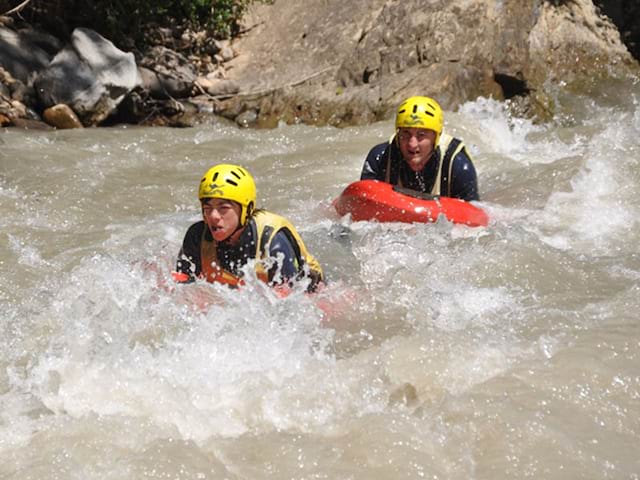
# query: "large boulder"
x,y
90,75
342,62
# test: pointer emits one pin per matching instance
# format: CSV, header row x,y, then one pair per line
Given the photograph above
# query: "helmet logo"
x,y
214,189
414,120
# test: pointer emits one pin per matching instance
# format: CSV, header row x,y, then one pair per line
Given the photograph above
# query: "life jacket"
x,y
442,184
265,225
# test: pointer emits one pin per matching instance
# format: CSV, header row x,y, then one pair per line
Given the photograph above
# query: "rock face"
x,y
90,75
344,62
626,15
336,62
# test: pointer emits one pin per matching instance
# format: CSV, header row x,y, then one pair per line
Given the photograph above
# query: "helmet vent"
x,y
230,182
420,112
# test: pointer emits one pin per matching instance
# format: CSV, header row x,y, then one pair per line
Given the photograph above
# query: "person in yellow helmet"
x,y
232,232
421,157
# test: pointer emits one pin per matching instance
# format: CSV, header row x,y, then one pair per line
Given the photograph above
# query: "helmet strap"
x,y
248,213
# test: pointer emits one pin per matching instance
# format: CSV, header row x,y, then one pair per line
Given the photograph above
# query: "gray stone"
x,y
175,75
90,75
247,119
218,87
151,83
20,56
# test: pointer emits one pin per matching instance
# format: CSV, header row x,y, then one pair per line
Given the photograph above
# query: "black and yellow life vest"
x,y
442,184
265,225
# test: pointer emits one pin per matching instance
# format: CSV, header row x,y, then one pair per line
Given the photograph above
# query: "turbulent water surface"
x,y
436,351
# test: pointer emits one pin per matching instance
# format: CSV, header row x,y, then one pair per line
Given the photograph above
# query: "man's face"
x,y
221,216
416,146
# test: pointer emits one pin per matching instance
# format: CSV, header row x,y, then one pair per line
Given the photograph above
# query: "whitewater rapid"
x,y
436,351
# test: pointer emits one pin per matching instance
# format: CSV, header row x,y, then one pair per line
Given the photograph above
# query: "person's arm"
x,y
281,247
292,268
465,178
374,164
188,262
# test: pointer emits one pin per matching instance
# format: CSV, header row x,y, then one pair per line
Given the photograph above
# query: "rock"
x,y
7,110
572,42
29,124
20,56
218,86
19,109
21,92
135,108
174,74
42,40
226,51
187,117
626,16
15,113
211,46
340,62
5,77
15,89
161,36
295,57
247,118
90,75
61,116
6,21
151,83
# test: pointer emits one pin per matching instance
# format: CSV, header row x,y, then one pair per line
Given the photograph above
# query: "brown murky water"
x,y
504,352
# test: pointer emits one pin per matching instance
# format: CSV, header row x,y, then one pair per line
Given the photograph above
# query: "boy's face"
x,y
221,216
416,146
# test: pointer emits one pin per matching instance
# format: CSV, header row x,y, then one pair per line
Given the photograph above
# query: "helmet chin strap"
x,y
239,227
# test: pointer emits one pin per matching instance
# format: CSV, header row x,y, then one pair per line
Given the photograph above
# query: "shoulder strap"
x,y
445,184
392,174
264,239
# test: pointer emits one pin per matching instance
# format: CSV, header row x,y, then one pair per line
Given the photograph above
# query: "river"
x,y
436,351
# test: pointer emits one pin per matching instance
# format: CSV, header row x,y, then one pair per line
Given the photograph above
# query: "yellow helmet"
x,y
230,182
420,112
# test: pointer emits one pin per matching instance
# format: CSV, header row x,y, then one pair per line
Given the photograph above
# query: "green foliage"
x,y
130,20
225,16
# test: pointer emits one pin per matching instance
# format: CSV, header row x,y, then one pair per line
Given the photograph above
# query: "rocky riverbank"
x,y
335,62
